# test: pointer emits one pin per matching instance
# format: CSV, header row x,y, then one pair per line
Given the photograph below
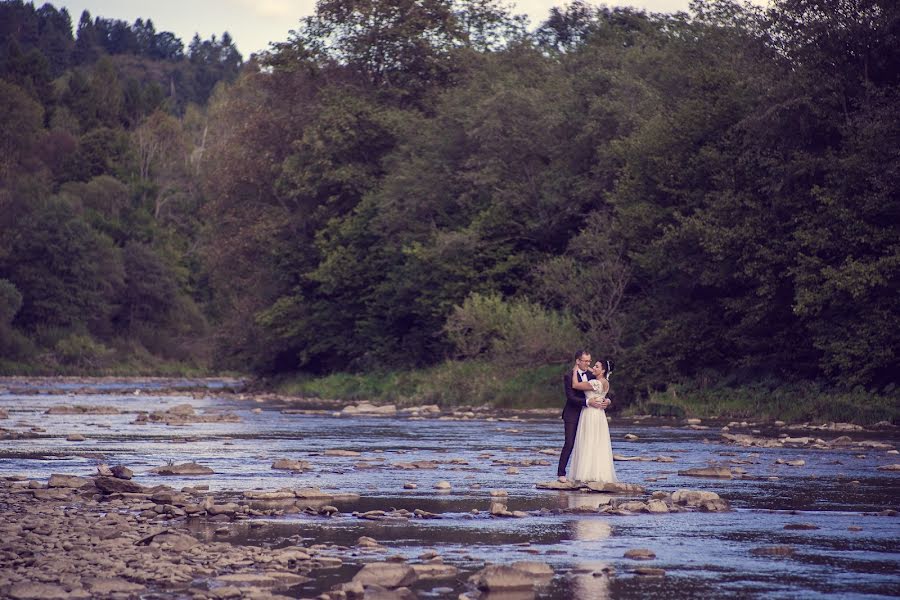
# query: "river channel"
x,y
854,551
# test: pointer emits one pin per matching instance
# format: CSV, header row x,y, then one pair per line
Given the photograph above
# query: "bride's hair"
x,y
607,367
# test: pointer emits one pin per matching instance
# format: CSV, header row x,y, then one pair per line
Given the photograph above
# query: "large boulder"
x,y
183,414
169,497
340,452
635,506
111,585
37,591
179,542
499,578
68,481
114,485
370,410
277,495
122,472
229,508
312,494
617,487
386,574
539,571
51,494
435,571
557,485
693,497
189,468
376,592
286,464
640,554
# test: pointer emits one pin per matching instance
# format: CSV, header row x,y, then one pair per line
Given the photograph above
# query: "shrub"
x,y
79,350
513,332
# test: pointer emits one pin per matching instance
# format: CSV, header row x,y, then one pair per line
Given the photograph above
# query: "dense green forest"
x,y
447,202
100,196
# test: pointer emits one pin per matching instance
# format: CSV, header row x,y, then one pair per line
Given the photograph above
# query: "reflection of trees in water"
x,y
588,581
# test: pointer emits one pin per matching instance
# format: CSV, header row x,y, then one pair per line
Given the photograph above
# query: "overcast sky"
x,y
254,23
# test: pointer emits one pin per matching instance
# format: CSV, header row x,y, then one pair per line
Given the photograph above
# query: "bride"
x,y
592,456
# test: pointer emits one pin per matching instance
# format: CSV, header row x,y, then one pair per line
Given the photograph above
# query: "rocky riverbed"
x,y
137,490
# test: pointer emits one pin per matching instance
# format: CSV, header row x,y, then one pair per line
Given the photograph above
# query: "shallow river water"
x,y
854,553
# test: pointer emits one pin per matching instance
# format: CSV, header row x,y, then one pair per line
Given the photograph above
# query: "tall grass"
x,y
471,383
452,383
767,401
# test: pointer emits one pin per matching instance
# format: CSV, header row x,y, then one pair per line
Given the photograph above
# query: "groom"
x,y
575,402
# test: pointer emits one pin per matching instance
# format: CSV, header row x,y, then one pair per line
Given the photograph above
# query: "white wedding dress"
x,y
592,456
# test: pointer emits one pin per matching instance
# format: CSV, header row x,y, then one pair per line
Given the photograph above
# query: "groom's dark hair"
x,y
580,353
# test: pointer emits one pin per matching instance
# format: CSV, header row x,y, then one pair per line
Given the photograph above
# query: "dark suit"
x,y
575,402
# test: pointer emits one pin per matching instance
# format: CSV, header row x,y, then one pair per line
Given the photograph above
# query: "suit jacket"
x,y
575,399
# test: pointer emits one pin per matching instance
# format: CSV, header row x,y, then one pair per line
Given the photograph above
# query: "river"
x,y
854,552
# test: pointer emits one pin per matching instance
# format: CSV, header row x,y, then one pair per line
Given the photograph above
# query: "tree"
x,y
21,124
106,93
68,274
149,293
87,41
402,47
162,152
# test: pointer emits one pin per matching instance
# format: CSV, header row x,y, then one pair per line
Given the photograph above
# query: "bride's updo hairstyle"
x,y
607,367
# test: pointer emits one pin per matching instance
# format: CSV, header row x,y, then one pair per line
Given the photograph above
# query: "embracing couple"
x,y
584,416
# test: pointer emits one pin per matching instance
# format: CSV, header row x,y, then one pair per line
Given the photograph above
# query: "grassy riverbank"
x,y
792,402
469,383
134,365
451,383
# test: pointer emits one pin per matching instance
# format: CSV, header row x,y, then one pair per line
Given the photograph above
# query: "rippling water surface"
x,y
703,554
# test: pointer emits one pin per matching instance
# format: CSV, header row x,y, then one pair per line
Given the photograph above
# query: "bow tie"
x,y
581,373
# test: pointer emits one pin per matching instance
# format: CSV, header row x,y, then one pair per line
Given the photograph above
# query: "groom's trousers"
x,y
571,429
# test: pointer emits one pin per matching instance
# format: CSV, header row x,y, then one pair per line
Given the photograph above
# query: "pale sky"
x,y
254,23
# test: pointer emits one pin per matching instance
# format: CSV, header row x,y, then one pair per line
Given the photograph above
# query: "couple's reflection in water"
x,y
588,580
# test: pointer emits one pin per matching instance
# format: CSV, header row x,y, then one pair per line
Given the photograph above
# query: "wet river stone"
x,y
389,575
122,472
68,481
502,578
188,468
287,464
717,472
112,485
37,591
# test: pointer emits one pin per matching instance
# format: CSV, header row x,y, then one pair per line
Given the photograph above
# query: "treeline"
x,y
99,138
707,197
